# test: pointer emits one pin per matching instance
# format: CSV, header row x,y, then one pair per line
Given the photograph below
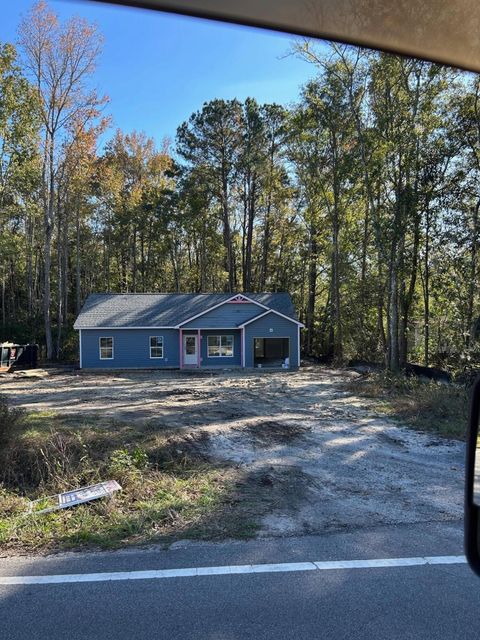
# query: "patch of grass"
x,y
11,424
153,506
171,489
424,405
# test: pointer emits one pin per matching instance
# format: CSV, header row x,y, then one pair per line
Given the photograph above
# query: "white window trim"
x,y
150,347
100,347
220,336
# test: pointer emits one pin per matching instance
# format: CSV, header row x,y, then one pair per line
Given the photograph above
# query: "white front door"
x,y
190,354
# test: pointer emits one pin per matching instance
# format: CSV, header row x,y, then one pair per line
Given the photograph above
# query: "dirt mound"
x,y
268,432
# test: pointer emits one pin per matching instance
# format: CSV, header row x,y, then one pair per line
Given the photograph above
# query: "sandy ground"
x,y
341,466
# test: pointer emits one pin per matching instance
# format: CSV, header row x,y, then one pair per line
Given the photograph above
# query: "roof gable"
x,y
224,315
234,300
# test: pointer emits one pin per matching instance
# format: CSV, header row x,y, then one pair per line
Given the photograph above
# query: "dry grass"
x,y
424,405
170,488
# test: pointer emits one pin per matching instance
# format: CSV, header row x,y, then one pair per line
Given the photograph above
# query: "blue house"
x,y
149,330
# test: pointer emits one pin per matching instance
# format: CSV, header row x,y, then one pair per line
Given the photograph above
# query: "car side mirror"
x,y
472,483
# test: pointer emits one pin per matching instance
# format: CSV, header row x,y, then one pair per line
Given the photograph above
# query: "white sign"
x,y
77,496
85,494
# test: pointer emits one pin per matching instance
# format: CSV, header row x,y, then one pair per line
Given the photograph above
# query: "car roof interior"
x,y
441,31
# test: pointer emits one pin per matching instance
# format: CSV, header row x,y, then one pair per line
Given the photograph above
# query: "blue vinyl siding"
x,y
281,328
221,362
131,348
229,314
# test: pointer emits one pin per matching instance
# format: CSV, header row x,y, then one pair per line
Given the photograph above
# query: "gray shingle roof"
x,y
163,309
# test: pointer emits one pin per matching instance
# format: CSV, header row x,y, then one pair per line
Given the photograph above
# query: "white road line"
x,y
332,565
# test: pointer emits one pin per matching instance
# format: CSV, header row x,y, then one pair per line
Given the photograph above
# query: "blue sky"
x,y
159,68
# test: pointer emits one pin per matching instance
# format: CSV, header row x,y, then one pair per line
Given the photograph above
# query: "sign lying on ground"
x,y
77,496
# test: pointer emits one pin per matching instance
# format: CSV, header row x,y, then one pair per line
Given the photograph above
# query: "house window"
x,y
156,346
220,346
106,348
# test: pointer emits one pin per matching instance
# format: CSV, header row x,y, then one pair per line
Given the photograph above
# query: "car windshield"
x,y
240,317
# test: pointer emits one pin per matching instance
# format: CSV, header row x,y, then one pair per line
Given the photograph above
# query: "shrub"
x,y
122,460
55,461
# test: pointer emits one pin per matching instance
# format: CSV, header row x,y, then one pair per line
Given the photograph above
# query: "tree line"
x,y
362,199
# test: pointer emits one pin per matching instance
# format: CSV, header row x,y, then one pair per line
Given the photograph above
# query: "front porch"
x,y
211,348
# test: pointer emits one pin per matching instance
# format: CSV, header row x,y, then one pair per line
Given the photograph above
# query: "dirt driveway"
x,y
341,466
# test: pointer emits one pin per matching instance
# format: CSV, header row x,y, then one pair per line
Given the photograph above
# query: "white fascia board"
x,y
210,329
179,327
219,305
102,328
262,315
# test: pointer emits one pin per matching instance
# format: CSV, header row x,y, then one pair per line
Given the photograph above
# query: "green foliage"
x,y
11,421
168,491
426,405
122,460
362,200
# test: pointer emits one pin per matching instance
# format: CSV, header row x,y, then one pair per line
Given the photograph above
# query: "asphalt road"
x,y
417,602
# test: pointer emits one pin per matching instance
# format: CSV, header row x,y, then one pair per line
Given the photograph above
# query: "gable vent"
x,y
238,299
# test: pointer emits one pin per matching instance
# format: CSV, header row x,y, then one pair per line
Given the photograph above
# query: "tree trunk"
x,y
47,249
426,291
312,290
227,242
336,300
78,262
248,248
470,329
393,350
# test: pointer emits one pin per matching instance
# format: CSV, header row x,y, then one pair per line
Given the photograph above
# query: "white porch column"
x,y
199,349
180,358
242,347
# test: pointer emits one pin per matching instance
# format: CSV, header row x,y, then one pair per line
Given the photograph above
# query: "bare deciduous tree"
x,y
60,59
